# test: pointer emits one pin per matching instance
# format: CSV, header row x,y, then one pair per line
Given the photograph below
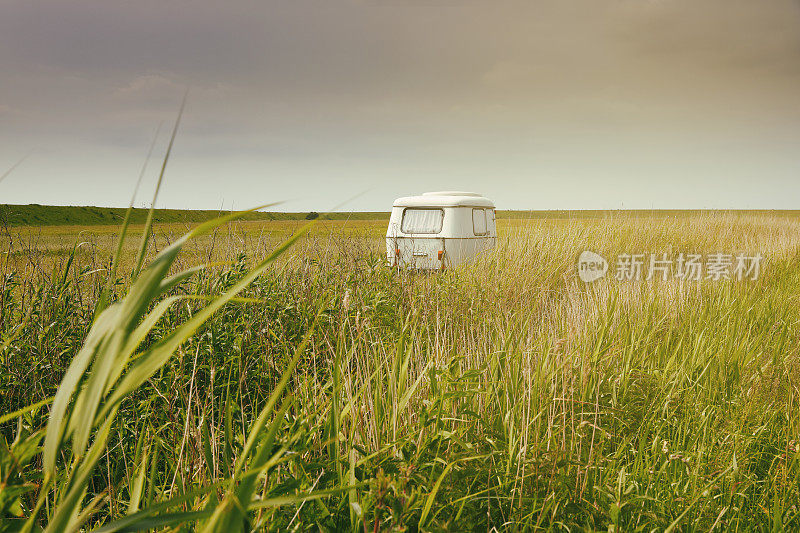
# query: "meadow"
x,y
297,383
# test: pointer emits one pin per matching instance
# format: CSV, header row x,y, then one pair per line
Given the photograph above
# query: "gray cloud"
x,y
625,101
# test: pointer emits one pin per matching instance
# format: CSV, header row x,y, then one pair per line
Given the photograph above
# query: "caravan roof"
x,y
444,199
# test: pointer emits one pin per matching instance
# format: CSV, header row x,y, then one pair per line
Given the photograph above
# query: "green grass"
x,y
34,215
333,393
52,215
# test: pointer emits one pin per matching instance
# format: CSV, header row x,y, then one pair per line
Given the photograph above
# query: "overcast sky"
x,y
543,104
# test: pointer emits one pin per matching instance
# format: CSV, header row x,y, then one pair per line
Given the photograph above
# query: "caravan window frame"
x,y
403,220
485,222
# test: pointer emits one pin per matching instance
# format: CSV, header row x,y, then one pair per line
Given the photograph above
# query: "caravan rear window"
x,y
479,226
422,220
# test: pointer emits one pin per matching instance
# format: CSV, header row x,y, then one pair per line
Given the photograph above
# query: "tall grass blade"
x,y
149,221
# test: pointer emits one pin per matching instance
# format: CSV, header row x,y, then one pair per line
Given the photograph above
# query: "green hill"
x,y
55,215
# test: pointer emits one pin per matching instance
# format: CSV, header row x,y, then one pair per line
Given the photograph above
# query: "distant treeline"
x,y
55,215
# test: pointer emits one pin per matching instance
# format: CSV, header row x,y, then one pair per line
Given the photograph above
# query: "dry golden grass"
x,y
506,393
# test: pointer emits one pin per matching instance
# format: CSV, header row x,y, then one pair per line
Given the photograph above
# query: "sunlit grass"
x,y
338,394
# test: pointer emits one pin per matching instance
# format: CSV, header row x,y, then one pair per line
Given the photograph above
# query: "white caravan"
x,y
439,229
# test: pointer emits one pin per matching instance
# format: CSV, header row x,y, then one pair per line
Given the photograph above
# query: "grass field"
x,y
34,215
332,393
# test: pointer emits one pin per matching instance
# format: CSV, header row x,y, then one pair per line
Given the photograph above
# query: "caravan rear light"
x,y
397,251
441,254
